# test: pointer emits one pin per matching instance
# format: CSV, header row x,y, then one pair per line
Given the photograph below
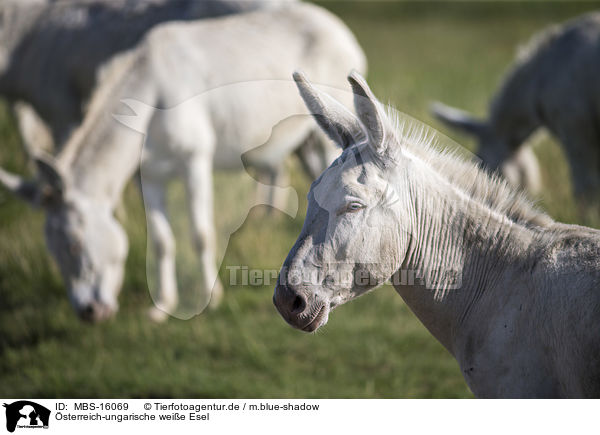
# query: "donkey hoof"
x,y
157,315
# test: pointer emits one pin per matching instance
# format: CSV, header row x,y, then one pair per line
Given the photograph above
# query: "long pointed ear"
x,y
27,190
336,121
53,184
369,111
458,119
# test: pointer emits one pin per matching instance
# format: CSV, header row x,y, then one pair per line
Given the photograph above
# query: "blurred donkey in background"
x,y
225,84
554,83
51,53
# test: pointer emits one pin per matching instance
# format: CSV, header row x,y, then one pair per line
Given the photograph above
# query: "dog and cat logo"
x,y
25,414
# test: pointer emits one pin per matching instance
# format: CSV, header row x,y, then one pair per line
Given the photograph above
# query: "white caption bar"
x,y
288,417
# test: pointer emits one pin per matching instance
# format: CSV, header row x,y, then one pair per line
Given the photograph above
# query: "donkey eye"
x,y
352,207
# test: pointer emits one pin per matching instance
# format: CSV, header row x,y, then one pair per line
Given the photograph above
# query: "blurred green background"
x,y
455,52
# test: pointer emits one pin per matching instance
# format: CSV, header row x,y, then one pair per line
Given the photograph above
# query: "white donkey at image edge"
x,y
511,294
52,53
554,83
242,116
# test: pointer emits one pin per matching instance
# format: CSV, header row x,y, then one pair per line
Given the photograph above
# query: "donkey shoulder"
x,y
575,241
567,269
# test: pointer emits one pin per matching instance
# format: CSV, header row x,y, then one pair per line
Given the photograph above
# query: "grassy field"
x,y
374,347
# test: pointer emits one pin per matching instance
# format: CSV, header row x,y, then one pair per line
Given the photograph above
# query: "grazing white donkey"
x,y
233,65
512,295
554,83
51,53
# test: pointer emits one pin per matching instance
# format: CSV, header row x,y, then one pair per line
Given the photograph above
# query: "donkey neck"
x,y
459,249
102,154
514,111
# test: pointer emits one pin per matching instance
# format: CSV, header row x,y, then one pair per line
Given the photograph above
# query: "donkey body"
x,y
512,295
216,82
554,83
51,53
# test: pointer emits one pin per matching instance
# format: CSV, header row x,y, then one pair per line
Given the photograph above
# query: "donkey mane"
x,y
112,78
468,176
544,39
530,57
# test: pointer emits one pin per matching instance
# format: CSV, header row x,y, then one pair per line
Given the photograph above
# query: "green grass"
x,y
373,347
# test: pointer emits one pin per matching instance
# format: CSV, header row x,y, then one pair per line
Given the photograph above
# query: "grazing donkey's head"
x,y
351,240
499,150
83,236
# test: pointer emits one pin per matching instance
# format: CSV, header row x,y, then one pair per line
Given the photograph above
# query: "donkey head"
x,y
87,242
351,240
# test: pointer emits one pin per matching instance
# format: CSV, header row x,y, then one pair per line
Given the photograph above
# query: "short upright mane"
x,y
466,175
114,77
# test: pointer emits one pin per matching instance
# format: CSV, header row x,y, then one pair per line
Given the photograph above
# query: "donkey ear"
x,y
53,183
458,119
369,111
336,121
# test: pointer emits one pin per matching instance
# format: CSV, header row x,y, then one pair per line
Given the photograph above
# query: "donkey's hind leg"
x,y
316,153
199,188
163,240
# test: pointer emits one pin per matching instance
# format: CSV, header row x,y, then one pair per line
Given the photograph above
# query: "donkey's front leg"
x,y
523,170
163,241
269,190
199,186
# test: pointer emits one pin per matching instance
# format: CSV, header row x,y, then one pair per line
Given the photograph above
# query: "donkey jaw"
x,y
318,320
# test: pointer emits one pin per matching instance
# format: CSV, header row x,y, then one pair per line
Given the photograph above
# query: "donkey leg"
x,y
316,153
163,241
279,197
263,191
581,142
199,188
523,170
270,191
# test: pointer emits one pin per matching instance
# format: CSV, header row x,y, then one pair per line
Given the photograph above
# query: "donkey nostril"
x,y
298,305
87,312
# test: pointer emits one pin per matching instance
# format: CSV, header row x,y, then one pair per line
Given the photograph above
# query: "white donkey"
x,y
51,53
512,295
555,84
54,54
219,60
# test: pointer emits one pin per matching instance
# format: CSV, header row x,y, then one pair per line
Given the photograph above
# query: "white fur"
x,y
218,85
510,293
52,53
552,84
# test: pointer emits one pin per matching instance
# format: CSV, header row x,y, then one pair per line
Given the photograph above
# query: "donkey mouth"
x,y
96,312
316,321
